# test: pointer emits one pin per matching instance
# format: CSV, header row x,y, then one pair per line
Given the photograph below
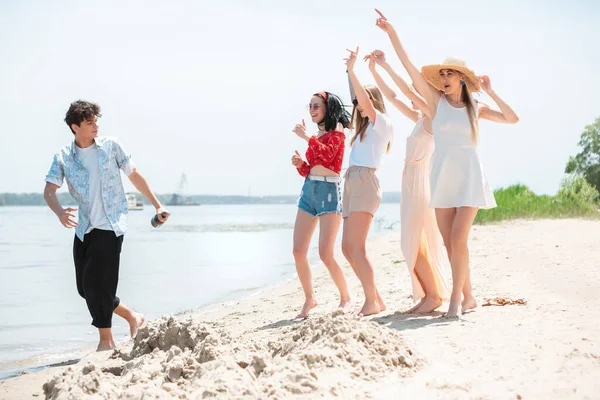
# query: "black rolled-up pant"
x,y
97,273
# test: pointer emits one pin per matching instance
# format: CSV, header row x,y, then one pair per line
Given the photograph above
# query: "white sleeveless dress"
x,y
457,178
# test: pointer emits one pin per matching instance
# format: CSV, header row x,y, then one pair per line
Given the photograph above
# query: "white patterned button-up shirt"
x,y
112,158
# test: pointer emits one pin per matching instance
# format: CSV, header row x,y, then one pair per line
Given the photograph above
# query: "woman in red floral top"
x,y
321,199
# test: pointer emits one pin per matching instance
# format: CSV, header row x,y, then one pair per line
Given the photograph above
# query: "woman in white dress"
x,y
459,186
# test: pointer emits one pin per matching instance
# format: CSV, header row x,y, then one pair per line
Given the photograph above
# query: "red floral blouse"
x,y
327,150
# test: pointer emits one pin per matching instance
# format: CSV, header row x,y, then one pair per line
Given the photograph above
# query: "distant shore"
x,y
37,199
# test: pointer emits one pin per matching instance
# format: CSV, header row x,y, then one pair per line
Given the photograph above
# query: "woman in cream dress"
x,y
421,241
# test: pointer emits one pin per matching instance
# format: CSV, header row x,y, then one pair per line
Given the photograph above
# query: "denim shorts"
x,y
319,198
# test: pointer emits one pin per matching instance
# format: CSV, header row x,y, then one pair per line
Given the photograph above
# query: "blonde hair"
x,y
467,98
359,123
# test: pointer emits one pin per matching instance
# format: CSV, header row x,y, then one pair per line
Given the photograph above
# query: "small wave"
x,y
227,227
24,266
36,363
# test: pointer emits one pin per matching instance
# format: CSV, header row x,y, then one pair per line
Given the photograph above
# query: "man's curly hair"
x,y
80,111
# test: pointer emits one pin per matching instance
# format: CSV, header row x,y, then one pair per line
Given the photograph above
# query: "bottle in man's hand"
x,y
156,222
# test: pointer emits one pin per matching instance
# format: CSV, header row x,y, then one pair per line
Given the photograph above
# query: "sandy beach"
x,y
546,348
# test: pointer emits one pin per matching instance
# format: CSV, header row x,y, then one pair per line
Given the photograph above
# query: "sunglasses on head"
x,y
355,101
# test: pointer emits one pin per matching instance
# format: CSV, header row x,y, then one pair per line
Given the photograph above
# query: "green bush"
x,y
576,190
587,162
576,198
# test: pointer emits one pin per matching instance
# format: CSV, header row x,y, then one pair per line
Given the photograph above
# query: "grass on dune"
x,y
575,199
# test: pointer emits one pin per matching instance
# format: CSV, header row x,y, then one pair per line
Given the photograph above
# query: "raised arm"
x,y
361,94
506,114
429,93
352,94
407,90
388,92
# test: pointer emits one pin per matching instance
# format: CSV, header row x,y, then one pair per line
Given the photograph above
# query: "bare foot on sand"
x,y
135,322
382,306
308,305
105,345
452,310
370,309
429,304
469,303
414,308
345,305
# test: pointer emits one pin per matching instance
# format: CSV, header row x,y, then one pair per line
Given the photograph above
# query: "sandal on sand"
x,y
503,301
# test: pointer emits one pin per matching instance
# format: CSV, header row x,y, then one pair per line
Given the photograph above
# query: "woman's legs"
x,y
460,236
445,219
303,230
329,227
354,240
455,225
424,273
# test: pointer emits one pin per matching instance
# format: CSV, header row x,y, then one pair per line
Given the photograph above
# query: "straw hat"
x,y
432,73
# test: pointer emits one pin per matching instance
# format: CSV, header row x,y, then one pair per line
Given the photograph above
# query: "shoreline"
x,y
208,308
213,307
542,349
43,360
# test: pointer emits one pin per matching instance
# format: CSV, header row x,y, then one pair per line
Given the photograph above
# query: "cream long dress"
x,y
418,223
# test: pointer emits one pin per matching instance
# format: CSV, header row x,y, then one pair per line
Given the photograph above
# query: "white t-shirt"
x,y
89,158
370,151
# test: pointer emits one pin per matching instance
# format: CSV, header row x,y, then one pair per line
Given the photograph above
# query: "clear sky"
x,y
213,89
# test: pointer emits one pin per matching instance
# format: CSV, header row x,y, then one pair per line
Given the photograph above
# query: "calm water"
x,y
202,255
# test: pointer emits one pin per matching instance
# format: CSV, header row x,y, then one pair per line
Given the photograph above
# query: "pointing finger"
x,y
381,14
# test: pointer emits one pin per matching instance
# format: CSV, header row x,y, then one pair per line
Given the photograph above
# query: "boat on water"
x,y
134,201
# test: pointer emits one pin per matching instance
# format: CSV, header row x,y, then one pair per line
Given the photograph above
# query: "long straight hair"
x,y
360,123
471,112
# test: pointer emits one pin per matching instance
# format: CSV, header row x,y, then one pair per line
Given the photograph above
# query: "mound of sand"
x,y
174,358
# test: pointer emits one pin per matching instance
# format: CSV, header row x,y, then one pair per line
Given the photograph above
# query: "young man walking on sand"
x,y
92,166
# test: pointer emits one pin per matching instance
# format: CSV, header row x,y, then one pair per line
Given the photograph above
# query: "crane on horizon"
x,y
178,195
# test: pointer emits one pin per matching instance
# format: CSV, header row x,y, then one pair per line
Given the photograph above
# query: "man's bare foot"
x,y
135,322
469,303
370,308
415,307
308,305
345,305
105,345
452,310
429,304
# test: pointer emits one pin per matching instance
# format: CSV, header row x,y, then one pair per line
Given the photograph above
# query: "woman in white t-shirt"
x,y
372,138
